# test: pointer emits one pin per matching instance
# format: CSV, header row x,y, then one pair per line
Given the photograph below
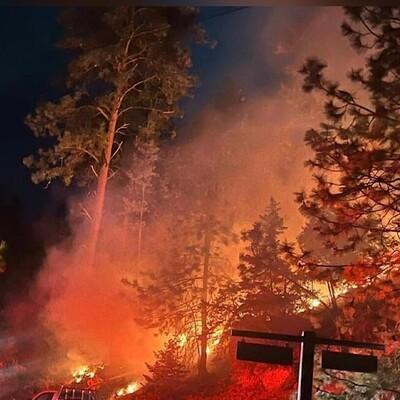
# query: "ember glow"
x,y
129,389
214,340
315,303
85,372
340,291
182,340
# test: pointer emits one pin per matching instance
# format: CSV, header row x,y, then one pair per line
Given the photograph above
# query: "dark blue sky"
x,y
30,63
27,37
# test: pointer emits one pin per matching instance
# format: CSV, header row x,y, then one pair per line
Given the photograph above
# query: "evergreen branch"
x,y
85,211
83,150
305,290
94,171
133,87
360,384
123,111
351,102
119,145
102,112
112,174
155,109
369,28
121,128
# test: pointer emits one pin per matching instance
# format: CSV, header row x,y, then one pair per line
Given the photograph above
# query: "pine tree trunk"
x,y
202,366
102,179
140,232
211,201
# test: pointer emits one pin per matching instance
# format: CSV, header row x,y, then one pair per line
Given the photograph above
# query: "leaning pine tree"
x,y
128,72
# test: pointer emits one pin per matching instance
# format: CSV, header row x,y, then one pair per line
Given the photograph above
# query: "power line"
x,y
223,13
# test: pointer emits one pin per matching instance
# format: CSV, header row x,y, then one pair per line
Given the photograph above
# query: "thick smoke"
x,y
264,134
92,313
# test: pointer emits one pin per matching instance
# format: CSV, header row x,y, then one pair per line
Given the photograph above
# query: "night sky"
x,y
29,59
31,68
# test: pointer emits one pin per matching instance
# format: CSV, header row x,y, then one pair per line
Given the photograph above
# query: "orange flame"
x,y
214,340
182,340
129,389
85,372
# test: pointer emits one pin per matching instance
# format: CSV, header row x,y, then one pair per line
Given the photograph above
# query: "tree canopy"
x,y
356,150
132,61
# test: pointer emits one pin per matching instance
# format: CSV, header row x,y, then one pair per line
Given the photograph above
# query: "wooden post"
x,y
306,369
308,342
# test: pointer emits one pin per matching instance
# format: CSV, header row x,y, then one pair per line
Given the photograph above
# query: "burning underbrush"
x,y
19,382
109,383
76,327
239,381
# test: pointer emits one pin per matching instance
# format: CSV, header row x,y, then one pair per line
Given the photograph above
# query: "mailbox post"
x,y
308,341
306,369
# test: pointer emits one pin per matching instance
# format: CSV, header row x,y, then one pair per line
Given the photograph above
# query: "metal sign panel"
x,y
349,362
263,353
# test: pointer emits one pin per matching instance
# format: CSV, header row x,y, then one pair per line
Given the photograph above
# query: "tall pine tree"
x,y
128,72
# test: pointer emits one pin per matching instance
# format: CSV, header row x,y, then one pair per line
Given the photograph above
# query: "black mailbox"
x,y
263,353
349,362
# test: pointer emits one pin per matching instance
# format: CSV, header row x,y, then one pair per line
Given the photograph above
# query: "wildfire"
x,y
82,373
182,340
314,303
340,291
129,389
85,372
214,340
